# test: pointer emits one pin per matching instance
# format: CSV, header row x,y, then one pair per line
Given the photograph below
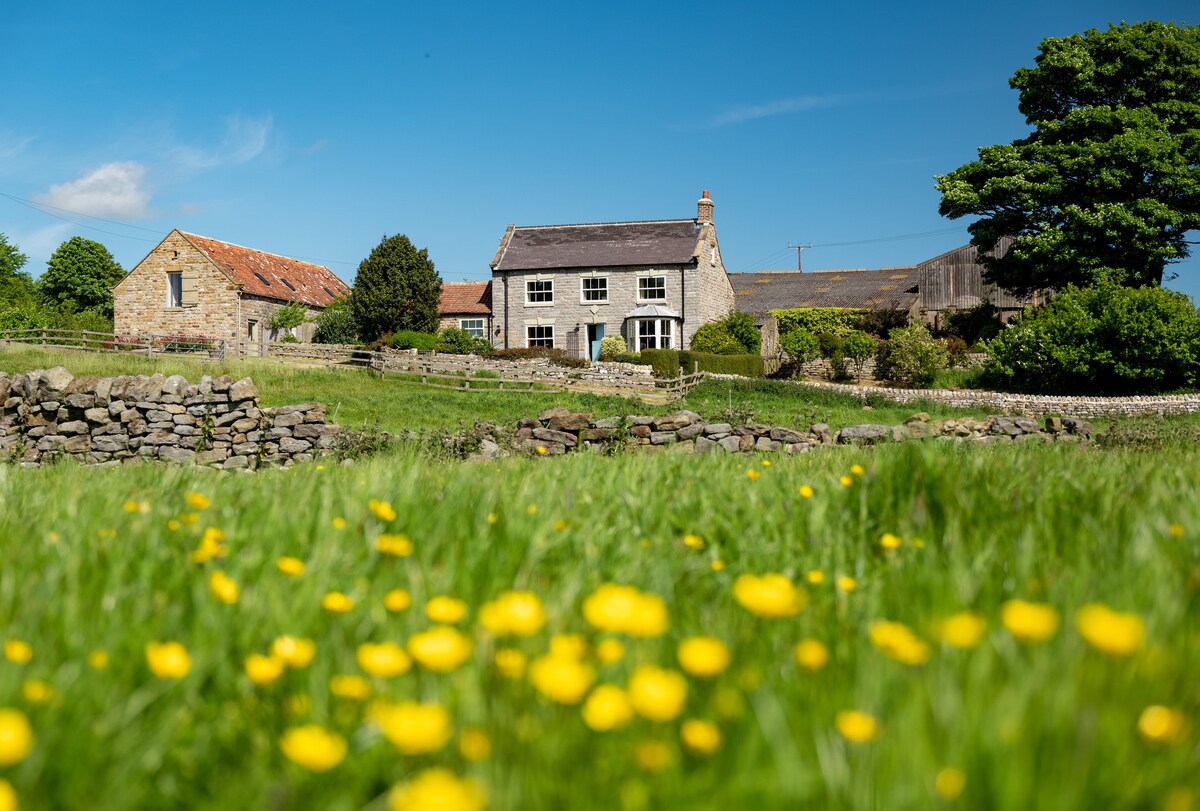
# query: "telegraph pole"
x,y
799,249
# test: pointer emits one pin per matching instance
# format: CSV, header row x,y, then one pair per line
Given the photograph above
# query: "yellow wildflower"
x,y
573,646
700,737
815,577
1160,724
531,509
492,518
889,541
383,660
313,747
173,525
766,462
857,727
625,609
610,651
962,630
1110,631
189,519
564,679
414,729
17,651
752,474
898,642
296,653
653,756
97,659
718,565
513,613
811,654
541,450
607,708
196,501
446,610
397,600
355,688
210,546
8,796
396,544
338,523
37,691
223,587
657,693
1029,622
806,491
693,541
293,567
440,649
846,584
949,783
703,656
846,481
337,603
381,510
264,670
142,507
769,595
857,470
16,736
168,660
1176,530
510,662
437,789
474,744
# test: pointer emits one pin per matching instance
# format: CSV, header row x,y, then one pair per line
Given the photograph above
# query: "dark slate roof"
x,y
759,293
607,244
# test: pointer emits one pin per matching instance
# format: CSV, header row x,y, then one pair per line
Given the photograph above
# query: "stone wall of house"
x,y
259,310
46,415
709,295
560,431
140,299
455,321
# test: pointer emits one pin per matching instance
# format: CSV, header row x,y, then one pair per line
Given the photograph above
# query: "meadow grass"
x,y
1048,725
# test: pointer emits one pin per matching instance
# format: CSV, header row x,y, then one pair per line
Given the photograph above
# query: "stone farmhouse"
x,y
466,306
568,286
197,286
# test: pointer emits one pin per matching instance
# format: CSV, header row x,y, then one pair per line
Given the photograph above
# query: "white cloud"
x,y
109,190
244,140
796,104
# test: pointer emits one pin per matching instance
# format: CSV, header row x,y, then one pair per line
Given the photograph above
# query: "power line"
x,y
40,206
888,239
34,206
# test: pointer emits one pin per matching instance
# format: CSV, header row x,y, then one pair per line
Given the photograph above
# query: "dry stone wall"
x,y
616,375
49,414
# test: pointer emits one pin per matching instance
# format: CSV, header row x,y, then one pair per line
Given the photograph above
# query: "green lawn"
x,y
1046,725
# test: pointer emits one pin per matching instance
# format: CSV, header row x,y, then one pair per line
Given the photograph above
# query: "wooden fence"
x,y
146,345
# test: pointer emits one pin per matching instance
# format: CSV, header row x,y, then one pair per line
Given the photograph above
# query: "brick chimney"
x,y
704,209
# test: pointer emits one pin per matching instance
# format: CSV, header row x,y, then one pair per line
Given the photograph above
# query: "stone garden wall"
x,y
560,431
49,414
615,375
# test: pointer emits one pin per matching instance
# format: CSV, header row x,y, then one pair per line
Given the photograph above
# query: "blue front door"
x,y
595,336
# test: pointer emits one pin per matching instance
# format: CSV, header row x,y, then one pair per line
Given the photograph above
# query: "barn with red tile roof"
x,y
467,306
199,286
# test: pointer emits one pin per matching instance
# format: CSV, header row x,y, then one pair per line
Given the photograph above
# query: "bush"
x,y
460,342
335,324
914,356
801,344
664,361
629,357
881,322
857,348
957,351
979,323
741,326
288,317
611,346
834,320
557,357
288,338
1105,339
714,338
744,365
408,339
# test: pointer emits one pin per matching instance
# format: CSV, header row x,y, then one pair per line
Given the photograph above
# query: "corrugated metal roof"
x,y
609,244
759,293
270,275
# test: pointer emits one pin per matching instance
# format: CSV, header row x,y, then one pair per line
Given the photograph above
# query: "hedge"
x,y
664,361
744,365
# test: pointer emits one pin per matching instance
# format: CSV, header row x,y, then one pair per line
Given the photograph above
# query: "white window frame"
x,y
645,288
547,291
602,289
174,289
660,336
477,332
531,336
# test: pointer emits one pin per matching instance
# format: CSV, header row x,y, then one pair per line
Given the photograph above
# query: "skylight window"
x,y
289,284
262,278
327,290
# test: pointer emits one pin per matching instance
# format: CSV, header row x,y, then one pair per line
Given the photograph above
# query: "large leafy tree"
x,y
80,275
1108,183
396,288
15,286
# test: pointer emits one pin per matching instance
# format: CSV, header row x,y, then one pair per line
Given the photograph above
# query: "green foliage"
x,y
882,321
288,316
411,339
557,357
834,320
15,285
665,362
335,324
857,348
288,338
1105,339
1106,185
914,356
801,345
629,357
715,338
744,365
79,276
460,342
36,314
978,323
611,346
741,326
397,288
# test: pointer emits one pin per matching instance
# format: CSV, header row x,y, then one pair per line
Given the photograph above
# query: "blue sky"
x,y
312,129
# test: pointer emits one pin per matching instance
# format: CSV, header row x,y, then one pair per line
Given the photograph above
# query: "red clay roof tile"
x,y
270,275
466,297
